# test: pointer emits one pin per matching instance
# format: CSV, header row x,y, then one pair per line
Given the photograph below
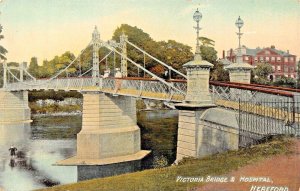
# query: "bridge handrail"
x,y
268,86
259,89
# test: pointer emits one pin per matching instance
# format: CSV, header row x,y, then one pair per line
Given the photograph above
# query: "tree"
x,y
262,72
3,51
208,51
171,52
209,54
58,63
298,73
206,41
33,68
218,73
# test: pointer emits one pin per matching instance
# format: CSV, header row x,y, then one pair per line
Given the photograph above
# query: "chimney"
x,y
272,46
223,54
288,51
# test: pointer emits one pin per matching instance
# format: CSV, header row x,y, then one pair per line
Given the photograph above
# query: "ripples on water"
x,y
50,139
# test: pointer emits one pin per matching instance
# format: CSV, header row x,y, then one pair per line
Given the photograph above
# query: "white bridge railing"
x,y
136,87
151,89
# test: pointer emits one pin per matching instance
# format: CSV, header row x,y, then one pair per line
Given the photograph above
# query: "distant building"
x,y
283,63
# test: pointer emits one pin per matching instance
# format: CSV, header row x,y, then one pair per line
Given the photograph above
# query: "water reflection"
x,y
51,139
31,167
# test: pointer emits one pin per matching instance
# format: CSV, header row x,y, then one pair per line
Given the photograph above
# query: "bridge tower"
x,y
239,72
96,46
123,39
109,138
201,131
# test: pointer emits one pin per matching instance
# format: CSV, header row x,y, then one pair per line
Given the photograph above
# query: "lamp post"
x,y
239,24
197,17
239,71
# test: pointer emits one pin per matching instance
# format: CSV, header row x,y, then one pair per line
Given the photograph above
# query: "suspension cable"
x,y
99,62
59,73
139,66
164,64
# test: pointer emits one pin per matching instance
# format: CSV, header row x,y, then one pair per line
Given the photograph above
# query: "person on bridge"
x,y
166,75
118,79
12,150
106,73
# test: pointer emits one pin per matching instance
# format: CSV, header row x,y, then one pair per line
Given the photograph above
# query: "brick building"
x,y
283,63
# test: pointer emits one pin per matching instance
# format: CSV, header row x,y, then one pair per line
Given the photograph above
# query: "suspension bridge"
x,y
109,132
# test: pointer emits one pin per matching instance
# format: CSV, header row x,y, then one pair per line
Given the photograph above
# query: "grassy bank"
x,y
165,178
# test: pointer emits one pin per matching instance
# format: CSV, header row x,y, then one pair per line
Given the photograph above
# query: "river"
x,y
50,139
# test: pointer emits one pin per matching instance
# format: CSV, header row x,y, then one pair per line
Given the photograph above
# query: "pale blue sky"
x,y
45,28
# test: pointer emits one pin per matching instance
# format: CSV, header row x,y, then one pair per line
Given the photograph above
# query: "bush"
x,y
160,162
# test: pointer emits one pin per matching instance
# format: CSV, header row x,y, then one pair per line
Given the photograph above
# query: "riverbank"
x,y
165,178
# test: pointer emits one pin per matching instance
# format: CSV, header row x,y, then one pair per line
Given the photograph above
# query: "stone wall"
x,y
206,132
14,107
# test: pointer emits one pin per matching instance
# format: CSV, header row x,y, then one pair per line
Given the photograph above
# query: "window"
x,y
246,58
291,69
286,69
292,76
255,59
278,59
261,59
267,58
273,67
278,68
273,58
267,52
286,59
291,59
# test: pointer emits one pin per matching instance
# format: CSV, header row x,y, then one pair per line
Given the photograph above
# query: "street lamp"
x,y
239,24
197,17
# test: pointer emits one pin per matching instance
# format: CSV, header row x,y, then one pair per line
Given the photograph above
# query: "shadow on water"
x,y
50,139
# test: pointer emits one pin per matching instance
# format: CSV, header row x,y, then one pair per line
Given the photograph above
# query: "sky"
x,y
45,28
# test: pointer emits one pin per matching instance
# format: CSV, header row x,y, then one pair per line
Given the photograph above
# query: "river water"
x,y
50,139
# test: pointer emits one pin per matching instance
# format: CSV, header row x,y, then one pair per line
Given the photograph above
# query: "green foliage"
x,y
263,70
218,73
51,94
261,73
3,51
55,108
209,54
160,162
171,52
33,68
285,82
49,68
206,41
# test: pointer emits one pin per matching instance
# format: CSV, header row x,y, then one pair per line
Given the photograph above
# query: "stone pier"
x,y
109,136
14,107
